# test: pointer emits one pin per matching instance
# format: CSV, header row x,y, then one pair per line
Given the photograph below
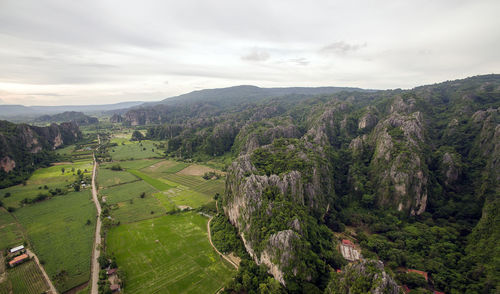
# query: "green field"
x,y
139,209
166,166
59,235
10,231
184,196
27,278
157,183
210,187
126,192
185,180
107,177
56,172
132,164
52,177
165,201
170,254
134,150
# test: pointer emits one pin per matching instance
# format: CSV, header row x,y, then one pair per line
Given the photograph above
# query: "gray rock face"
x,y
401,173
367,121
451,168
244,197
367,276
7,164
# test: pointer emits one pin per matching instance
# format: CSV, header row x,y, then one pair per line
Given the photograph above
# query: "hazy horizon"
x,y
95,52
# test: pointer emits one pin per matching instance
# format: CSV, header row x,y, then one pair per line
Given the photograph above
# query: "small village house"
x,y
16,249
18,259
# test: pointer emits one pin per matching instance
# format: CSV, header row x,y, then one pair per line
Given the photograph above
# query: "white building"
x,y
15,249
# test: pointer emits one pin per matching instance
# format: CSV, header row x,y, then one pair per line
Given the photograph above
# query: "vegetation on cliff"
x,y
24,148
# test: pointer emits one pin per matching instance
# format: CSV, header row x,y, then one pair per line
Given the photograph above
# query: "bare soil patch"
x,y
198,170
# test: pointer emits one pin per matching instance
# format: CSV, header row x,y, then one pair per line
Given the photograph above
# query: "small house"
x,y
347,242
18,259
348,251
18,248
111,271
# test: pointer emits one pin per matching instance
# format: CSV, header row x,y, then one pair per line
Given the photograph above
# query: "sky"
x,y
108,51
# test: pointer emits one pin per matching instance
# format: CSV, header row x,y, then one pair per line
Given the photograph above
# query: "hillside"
x,y
23,147
78,117
211,102
412,174
20,113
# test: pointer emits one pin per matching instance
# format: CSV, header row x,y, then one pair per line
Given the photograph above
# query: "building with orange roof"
x,y
347,242
18,259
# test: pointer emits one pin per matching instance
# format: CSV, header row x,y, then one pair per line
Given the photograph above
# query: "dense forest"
x,y
409,175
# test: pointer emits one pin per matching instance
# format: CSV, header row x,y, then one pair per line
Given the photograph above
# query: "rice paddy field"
x,y
24,278
107,178
160,251
132,164
60,237
169,254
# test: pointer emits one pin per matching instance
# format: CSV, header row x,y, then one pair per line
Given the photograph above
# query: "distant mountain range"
x,y
220,97
248,93
23,113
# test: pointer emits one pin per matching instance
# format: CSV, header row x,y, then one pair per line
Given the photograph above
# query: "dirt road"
x,y
210,239
94,270
52,289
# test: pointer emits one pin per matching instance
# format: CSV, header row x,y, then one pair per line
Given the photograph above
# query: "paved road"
x,y
52,289
94,270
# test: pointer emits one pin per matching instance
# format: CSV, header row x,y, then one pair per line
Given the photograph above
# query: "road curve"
x,y
94,270
210,239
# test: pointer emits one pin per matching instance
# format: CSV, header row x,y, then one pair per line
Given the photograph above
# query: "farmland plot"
x,y
60,236
170,254
27,278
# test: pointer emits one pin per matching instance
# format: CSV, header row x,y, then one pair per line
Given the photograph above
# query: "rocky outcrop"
x,y
18,141
368,120
399,168
366,276
450,168
253,197
116,118
7,164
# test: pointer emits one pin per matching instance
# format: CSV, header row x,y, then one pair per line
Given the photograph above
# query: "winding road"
x,y
94,270
211,243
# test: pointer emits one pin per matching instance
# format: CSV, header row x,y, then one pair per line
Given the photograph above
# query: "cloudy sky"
x,y
106,51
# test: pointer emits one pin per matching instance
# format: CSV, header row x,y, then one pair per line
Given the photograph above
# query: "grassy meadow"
x,y
52,177
128,150
10,230
169,254
107,178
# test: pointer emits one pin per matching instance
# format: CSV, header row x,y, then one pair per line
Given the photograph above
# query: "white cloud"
x,y
109,51
256,55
